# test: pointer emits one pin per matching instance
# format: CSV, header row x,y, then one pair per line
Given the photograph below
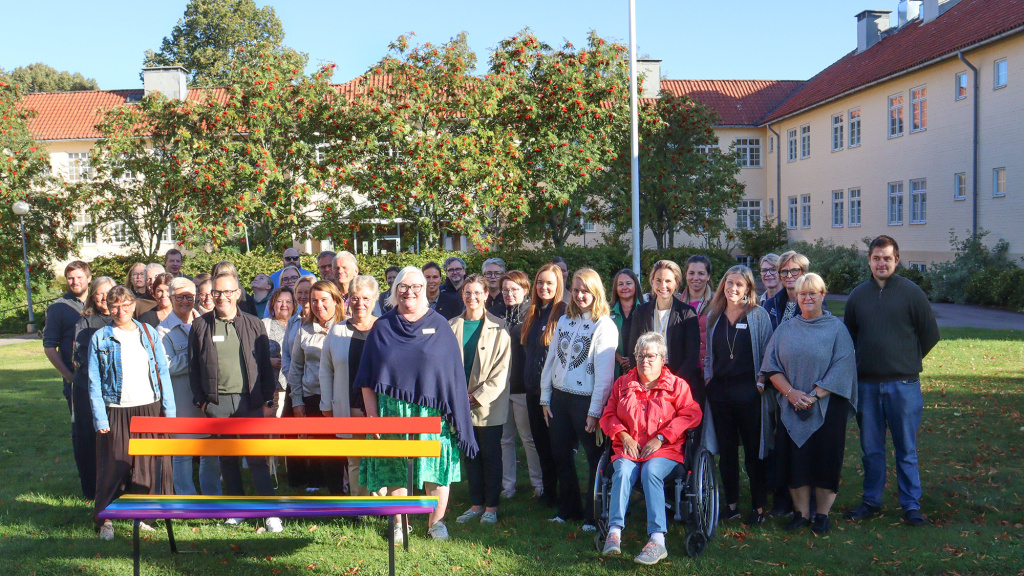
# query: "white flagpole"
x,y
634,164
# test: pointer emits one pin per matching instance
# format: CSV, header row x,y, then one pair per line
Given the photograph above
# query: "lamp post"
x,y
21,208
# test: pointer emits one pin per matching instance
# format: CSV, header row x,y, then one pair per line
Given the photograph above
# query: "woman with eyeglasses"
x,y
136,280
783,305
282,308
810,361
174,331
204,295
411,366
160,292
769,276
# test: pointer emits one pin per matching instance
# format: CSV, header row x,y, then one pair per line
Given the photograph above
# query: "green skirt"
x,y
377,473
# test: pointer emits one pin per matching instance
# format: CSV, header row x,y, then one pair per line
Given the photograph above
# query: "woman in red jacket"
x,y
646,417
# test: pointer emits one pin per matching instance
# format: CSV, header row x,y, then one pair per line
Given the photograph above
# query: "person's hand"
x,y
630,446
548,416
299,411
276,363
652,446
591,424
623,361
473,402
268,411
327,413
103,431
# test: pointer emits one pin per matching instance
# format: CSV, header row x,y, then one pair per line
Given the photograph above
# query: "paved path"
x,y
966,316
20,338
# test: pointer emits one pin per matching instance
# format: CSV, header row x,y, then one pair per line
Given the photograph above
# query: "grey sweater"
x,y
811,353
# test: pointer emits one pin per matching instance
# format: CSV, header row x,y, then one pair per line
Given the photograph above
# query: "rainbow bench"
x,y
248,437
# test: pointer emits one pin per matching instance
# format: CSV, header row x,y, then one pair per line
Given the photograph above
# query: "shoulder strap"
x,y
145,328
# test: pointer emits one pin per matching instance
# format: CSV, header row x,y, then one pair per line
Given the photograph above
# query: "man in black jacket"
x,y
893,328
231,376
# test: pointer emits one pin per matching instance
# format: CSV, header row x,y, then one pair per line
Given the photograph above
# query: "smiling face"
x,y
183,300
121,313
361,304
289,278
411,294
302,292
582,295
433,278
99,298
173,263
664,285
162,295
284,306
322,306
547,284
474,296
810,302
456,272
325,266
78,282
697,277
736,288
625,288
204,297
345,269
789,273
225,296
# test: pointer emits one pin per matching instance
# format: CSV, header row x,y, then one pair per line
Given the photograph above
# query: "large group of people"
x,y
555,362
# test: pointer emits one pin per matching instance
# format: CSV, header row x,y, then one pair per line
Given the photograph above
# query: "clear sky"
x,y
737,39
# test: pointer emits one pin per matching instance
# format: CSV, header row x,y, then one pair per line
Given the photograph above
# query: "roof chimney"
x,y
870,25
171,81
650,70
930,11
908,10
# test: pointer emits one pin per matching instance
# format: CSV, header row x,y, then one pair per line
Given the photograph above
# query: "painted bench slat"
x,y
285,426
282,447
194,507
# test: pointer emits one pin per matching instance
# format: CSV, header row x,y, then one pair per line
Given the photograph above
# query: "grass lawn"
x,y
971,453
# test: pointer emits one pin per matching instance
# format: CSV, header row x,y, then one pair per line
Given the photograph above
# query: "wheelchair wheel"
x,y
695,544
602,498
704,491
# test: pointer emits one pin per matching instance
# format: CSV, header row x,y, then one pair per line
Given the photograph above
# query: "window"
x,y
750,152
791,145
854,206
793,212
588,225
895,115
771,144
960,86
837,209
167,235
805,211
771,206
748,214
706,149
78,228
960,186
999,74
118,233
854,128
918,201
999,182
919,109
837,132
895,203
78,167
919,266
805,141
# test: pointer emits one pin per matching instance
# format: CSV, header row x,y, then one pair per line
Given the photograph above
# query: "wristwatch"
x,y
662,438
814,394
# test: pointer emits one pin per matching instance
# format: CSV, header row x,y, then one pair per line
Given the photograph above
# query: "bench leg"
x,y
135,545
170,536
391,545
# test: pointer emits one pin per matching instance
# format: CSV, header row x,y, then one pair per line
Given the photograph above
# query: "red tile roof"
x,y
738,102
963,25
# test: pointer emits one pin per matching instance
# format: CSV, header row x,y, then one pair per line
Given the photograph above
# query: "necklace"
x,y
732,344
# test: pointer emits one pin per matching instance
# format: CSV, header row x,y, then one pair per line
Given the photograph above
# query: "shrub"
x,y
964,278
769,237
841,267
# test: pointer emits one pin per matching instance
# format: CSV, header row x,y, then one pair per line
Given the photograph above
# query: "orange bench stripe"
x,y
282,447
285,426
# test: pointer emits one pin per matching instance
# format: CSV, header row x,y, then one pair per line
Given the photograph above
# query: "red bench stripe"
x,y
285,426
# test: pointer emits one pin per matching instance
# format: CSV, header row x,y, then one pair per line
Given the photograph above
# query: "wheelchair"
x,y
691,495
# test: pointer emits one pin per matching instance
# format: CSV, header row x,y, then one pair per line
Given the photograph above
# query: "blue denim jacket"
x,y
105,372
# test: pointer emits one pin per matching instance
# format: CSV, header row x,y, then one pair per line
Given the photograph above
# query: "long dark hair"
x,y
615,281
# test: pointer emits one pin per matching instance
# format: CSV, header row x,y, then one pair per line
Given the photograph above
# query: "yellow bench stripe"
x,y
282,447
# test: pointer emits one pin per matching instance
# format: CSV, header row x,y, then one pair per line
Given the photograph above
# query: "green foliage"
x,y
765,238
841,267
972,275
39,77
216,39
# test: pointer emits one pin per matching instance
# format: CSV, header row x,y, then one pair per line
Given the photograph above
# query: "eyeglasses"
x,y
204,296
493,274
790,272
122,306
808,295
647,357
769,272
223,293
405,288
451,271
507,291
289,279
184,297
291,258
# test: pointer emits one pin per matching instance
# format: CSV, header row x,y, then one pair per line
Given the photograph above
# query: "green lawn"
x,y
971,463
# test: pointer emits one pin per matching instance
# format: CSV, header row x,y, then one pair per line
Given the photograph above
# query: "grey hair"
x,y
364,281
393,297
496,261
154,266
179,283
648,339
346,254
451,259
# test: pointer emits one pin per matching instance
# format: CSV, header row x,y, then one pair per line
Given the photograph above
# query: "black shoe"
x,y
756,518
861,512
796,523
780,511
730,514
914,517
820,524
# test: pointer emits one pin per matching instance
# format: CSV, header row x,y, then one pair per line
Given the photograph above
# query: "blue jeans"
x,y
898,406
209,476
652,475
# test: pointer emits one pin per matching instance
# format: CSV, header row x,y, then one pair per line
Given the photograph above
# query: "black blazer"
x,y
202,359
449,304
682,339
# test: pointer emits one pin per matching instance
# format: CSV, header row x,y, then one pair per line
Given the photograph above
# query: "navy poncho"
x,y
421,363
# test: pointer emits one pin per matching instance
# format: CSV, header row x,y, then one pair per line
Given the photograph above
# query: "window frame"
x,y
957,86
747,209
851,196
792,213
895,211
81,219
895,124
748,147
919,201
805,141
838,202
959,186
838,129
79,162
850,131
805,211
919,106
997,191
792,147
996,65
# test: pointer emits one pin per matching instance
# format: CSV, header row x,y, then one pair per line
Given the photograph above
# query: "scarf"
x,y
421,363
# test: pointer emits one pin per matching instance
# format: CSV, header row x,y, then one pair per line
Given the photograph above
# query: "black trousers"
x,y
568,431
484,471
83,440
297,473
237,406
736,423
542,440
323,471
819,462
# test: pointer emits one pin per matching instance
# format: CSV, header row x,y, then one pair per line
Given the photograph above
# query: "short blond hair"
x,y
810,281
592,281
797,258
665,265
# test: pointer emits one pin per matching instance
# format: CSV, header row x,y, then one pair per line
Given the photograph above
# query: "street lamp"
x,y
21,208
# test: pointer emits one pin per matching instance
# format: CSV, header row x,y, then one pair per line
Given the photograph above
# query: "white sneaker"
x,y
489,518
399,535
438,531
469,515
557,520
274,525
107,531
143,527
234,521
589,528
508,492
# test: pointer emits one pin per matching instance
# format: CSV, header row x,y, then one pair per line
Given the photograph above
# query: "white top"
x,y
135,387
581,361
661,320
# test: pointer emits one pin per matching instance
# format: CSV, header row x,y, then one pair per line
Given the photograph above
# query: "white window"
x,y
805,141
895,115
805,211
959,186
854,206
78,167
118,233
837,209
83,219
749,150
895,203
919,109
771,206
919,266
960,86
918,201
748,214
794,212
791,145
854,128
167,236
837,132
999,74
706,149
771,144
999,182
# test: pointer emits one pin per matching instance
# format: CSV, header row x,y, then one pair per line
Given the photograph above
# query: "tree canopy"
x,y
39,77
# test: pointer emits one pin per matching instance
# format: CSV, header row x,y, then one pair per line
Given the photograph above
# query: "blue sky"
x,y
738,39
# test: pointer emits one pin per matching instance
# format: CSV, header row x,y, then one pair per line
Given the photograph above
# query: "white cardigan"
x,y
581,361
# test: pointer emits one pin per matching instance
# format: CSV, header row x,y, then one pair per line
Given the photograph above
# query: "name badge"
x,y
428,330
741,326
218,337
